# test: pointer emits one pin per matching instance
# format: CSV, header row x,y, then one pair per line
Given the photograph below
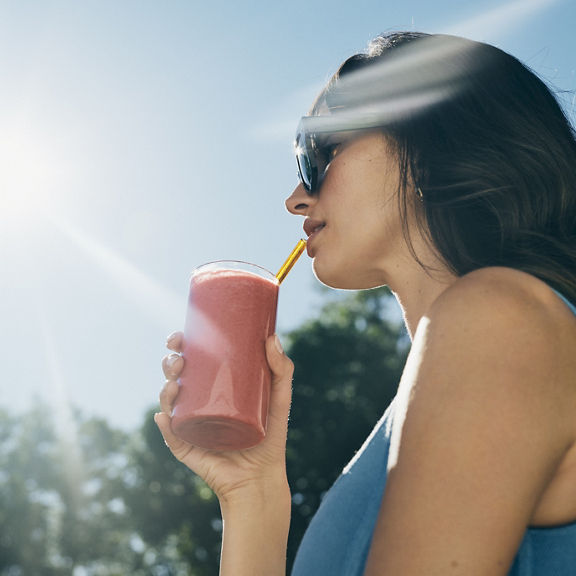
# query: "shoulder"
x,y
494,335
497,285
494,358
503,302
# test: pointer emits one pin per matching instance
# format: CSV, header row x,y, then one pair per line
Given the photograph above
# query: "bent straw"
x,y
291,260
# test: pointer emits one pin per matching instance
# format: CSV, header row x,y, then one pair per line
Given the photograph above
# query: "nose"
x,y
299,202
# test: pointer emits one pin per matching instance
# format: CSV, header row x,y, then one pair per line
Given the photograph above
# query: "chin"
x,y
343,280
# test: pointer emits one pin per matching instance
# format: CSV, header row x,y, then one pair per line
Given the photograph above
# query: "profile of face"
x,y
353,220
477,132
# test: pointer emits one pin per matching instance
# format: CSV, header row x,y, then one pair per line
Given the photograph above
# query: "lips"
x,y
312,227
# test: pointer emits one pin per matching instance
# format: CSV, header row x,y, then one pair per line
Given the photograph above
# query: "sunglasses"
x,y
317,139
308,158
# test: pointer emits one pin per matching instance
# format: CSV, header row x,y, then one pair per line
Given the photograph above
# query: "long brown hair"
x,y
488,160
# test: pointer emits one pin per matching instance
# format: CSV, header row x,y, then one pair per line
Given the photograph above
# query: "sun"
x,y
31,176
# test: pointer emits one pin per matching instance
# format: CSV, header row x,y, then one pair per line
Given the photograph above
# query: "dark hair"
x,y
484,142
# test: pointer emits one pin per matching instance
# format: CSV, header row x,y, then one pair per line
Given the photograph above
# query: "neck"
x,y
416,289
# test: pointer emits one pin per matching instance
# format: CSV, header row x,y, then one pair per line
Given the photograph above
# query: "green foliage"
x,y
170,505
78,497
24,451
60,504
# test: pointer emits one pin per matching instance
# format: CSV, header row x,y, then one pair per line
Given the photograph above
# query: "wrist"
x,y
265,494
254,516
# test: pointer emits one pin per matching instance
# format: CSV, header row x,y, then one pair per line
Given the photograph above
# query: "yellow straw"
x,y
291,260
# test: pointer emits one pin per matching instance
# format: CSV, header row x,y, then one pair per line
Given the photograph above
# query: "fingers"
x,y
174,341
281,366
172,366
168,395
178,447
163,420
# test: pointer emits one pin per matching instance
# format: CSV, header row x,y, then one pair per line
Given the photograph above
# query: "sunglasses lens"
x,y
305,170
305,160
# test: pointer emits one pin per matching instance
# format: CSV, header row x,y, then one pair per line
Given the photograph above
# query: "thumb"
x,y
281,366
281,393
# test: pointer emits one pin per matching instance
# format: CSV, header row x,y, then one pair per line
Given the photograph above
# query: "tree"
x,y
60,507
24,450
177,514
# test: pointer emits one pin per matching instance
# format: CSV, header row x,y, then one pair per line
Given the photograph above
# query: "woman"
x,y
446,170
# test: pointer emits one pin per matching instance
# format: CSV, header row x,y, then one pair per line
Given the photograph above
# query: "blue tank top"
x,y
338,538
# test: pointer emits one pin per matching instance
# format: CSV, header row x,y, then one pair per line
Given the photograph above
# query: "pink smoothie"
x,y
225,385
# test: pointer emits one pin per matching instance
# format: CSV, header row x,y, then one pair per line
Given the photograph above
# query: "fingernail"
x,y
171,337
278,344
171,360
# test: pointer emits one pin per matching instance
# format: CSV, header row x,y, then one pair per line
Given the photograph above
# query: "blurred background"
x,y
139,139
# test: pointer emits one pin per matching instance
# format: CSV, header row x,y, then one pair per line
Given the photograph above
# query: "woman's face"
x,y
353,223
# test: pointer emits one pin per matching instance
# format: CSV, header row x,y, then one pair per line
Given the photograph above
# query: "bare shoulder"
x,y
497,345
498,329
505,304
499,285
501,339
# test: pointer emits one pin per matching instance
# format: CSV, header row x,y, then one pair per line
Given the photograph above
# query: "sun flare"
x,y
30,177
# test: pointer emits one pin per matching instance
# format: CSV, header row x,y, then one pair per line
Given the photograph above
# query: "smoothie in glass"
x,y
225,385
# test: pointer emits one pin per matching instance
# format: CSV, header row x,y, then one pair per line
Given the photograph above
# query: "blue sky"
x,y
141,138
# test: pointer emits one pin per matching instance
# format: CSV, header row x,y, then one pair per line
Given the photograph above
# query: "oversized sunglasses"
x,y
317,138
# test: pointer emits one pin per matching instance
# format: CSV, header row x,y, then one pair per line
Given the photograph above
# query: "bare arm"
x,y
251,485
255,533
482,426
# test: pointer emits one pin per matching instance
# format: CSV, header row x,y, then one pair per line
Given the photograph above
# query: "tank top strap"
x,y
566,301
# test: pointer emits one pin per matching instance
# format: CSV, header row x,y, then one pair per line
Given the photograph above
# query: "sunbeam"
x,y
416,76
66,429
156,301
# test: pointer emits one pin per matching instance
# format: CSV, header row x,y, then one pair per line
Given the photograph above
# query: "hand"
x,y
234,474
